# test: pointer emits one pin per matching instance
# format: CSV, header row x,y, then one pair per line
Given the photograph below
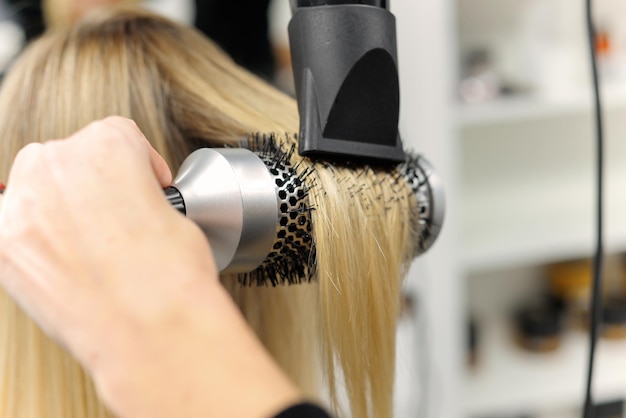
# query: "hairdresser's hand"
x,y
90,248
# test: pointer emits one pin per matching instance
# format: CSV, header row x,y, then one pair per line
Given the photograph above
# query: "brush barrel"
x,y
244,206
428,189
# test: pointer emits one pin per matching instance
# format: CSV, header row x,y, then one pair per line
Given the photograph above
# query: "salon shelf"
x,y
527,199
524,108
508,380
527,174
535,224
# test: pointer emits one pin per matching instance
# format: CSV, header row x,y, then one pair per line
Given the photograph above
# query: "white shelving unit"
x,y
534,107
509,378
526,190
540,222
527,186
527,200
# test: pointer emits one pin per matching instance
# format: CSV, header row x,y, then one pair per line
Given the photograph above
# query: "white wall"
x,y
427,73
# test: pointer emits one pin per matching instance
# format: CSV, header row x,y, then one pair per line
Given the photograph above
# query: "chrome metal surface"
x,y
230,194
428,189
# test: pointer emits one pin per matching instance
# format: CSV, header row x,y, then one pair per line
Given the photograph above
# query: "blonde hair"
x,y
60,14
184,92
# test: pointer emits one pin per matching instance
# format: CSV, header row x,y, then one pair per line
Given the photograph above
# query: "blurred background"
x,y
525,184
497,94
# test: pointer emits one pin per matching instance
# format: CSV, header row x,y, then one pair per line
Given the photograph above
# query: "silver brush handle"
x,y
231,195
176,199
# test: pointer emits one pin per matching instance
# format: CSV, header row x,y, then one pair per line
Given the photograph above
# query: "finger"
x,y
26,164
160,167
157,162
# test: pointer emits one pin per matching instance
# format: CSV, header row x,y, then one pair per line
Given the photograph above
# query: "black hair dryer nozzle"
x,y
346,77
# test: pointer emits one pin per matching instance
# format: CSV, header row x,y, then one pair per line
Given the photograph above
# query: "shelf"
x,y
538,223
527,189
509,381
525,108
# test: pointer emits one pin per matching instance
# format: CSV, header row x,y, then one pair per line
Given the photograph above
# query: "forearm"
x,y
142,378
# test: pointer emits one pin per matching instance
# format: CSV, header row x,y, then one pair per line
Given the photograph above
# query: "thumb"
x,y
131,131
160,167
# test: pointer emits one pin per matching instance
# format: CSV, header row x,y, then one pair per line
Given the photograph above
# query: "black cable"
x,y
596,301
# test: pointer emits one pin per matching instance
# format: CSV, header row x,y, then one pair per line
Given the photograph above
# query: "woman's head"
x,y
177,85
64,13
184,92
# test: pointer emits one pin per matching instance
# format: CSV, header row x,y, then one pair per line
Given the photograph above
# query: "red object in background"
x,y
2,187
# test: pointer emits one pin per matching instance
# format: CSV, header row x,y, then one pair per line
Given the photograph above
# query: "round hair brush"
x,y
254,208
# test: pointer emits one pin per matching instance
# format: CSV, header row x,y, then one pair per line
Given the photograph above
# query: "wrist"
x,y
207,327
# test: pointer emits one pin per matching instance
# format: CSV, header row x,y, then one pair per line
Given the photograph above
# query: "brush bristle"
x,y
291,259
413,173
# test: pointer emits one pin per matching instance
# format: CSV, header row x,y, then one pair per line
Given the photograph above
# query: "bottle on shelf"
x,y
538,328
